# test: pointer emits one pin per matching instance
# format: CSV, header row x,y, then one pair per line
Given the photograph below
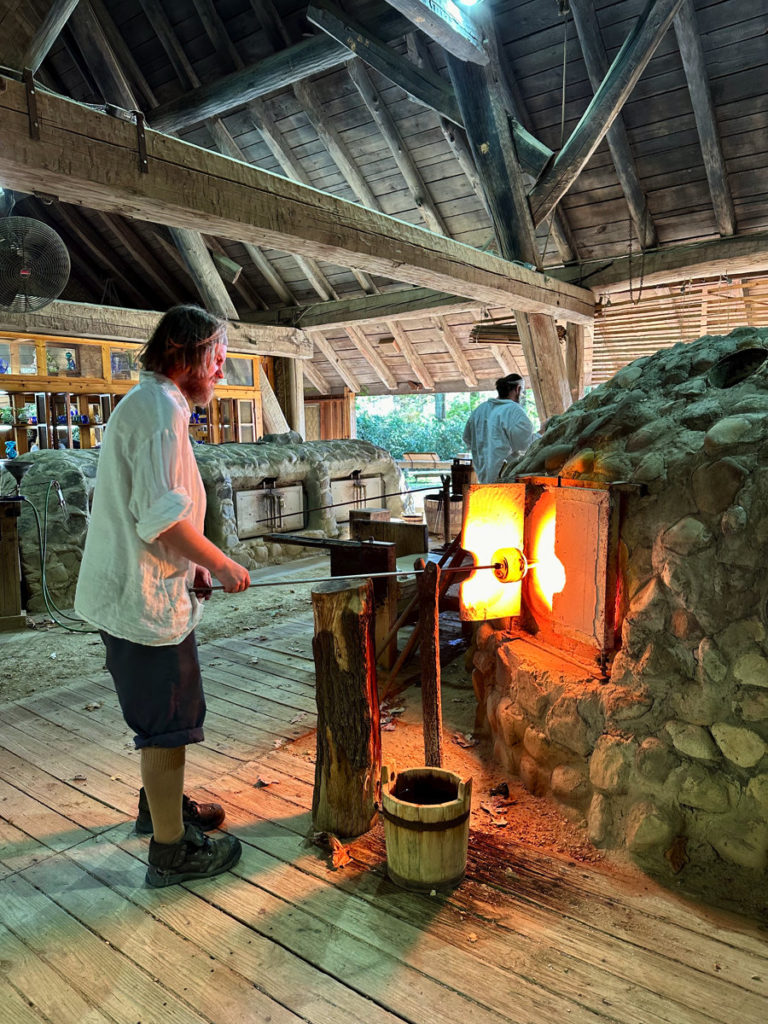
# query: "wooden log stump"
x,y
348,767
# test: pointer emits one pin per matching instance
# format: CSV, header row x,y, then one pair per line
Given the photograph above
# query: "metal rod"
x,y
340,504
349,576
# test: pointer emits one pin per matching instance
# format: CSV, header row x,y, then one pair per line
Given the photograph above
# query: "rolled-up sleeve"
x,y
159,498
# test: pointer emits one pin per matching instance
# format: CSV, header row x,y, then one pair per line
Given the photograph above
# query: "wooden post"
x,y
429,588
11,616
446,480
348,768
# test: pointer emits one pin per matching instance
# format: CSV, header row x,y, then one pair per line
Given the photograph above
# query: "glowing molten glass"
x,y
493,519
547,572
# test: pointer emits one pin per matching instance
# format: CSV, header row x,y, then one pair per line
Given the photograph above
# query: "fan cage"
x,y
34,265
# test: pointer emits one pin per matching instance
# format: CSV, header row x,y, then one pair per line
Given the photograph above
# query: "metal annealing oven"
x,y
270,509
356,491
558,545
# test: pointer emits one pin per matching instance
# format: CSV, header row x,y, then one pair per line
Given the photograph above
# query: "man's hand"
x,y
233,577
202,584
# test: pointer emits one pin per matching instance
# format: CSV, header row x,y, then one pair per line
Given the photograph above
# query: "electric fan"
x,y
34,264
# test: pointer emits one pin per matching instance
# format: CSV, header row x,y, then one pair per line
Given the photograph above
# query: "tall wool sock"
x,y
162,773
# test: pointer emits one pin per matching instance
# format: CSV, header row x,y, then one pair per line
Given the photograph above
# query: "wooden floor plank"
x,y
268,968
100,974
685,993
40,989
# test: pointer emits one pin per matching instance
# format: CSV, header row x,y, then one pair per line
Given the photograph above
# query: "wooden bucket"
x,y
426,826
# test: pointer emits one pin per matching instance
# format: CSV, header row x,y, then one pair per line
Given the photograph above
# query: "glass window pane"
x,y
5,357
124,363
238,373
27,357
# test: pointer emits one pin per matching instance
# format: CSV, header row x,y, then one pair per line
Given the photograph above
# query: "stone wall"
x,y
669,758
225,469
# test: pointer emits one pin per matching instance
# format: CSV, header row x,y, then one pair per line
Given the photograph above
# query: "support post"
x,y
348,767
429,588
11,616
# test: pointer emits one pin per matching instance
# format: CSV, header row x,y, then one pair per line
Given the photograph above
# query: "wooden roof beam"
x,y
629,64
743,254
203,272
315,378
86,157
691,51
404,304
115,323
514,103
593,51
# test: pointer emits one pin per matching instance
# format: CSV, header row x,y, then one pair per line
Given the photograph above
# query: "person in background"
x,y
145,552
498,431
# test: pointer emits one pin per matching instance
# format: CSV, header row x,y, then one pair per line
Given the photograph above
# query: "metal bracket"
x,y
142,142
34,120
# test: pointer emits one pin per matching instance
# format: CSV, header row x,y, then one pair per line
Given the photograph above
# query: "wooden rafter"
x,y
628,65
596,60
39,46
412,357
453,345
389,130
315,378
368,351
338,364
203,272
689,41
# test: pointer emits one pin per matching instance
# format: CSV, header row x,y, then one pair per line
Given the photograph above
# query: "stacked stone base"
x,y
588,745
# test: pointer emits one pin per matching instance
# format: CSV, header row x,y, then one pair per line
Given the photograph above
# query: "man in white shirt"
x,y
145,551
498,431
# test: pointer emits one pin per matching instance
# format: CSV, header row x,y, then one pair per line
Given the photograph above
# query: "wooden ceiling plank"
x,y
422,85
103,253
368,350
691,51
412,357
217,33
227,145
320,342
453,345
89,158
394,140
49,31
628,65
596,60
142,255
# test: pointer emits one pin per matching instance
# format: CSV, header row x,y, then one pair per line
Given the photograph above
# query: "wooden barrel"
x,y
426,826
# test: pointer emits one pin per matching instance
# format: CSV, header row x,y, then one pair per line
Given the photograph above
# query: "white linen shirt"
x,y
497,431
131,584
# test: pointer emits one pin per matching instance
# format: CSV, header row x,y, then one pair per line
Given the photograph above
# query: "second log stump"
x,y
348,767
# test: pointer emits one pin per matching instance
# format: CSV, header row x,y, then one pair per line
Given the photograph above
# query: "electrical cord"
x,y
42,539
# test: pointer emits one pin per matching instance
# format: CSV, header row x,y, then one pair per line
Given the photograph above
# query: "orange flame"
x,y
548,572
493,519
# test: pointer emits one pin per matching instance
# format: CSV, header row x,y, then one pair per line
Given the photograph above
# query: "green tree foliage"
x,y
410,423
